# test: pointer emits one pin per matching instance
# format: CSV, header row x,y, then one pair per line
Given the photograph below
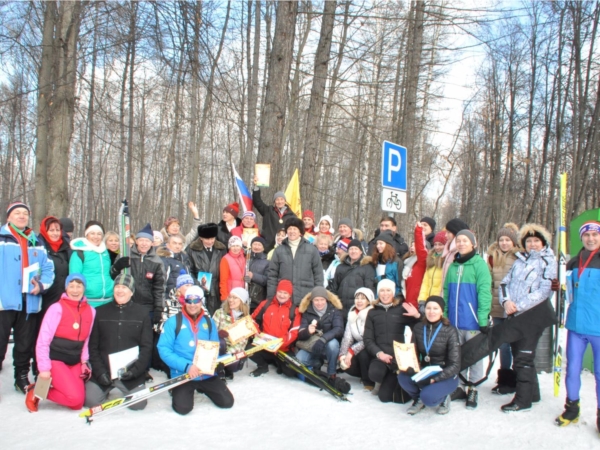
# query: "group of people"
x,y
332,297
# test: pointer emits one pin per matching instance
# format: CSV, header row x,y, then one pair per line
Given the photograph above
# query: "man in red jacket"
x,y
280,318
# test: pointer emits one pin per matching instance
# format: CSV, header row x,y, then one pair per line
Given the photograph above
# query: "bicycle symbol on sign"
x,y
394,201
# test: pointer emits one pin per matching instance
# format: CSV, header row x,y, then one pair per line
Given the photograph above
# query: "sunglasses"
x,y
193,300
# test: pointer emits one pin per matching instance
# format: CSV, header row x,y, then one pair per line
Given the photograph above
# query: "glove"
x,y
223,334
122,263
484,330
410,371
424,382
104,380
86,371
555,285
319,346
126,376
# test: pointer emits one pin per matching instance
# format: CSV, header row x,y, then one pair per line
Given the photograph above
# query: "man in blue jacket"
x,y
177,347
19,249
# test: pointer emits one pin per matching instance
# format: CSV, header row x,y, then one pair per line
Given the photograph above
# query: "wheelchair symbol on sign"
x,y
394,201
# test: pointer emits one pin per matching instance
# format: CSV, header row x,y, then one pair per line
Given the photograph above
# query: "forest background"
x,y
153,101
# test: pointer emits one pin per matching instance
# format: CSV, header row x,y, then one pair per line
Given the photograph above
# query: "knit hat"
x,y
259,239
440,237
346,221
94,225
240,293
437,299
386,236
76,276
278,194
171,220
158,235
429,221
385,283
355,243
510,230
67,225
294,222
308,213
16,205
469,234
125,279
456,225
590,225
145,232
366,292
343,244
208,230
194,291
285,285
233,209
183,279
327,219
319,291
233,241
249,214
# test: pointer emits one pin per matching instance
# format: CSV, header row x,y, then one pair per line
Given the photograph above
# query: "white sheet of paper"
x,y
380,269
120,359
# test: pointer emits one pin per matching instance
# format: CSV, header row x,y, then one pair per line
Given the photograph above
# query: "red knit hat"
x,y
308,213
285,285
440,237
233,209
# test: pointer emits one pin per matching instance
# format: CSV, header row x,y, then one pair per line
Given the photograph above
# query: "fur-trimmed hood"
x,y
164,252
495,252
331,298
198,246
363,262
532,229
356,234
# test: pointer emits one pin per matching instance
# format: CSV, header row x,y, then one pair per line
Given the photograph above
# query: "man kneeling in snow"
x,y
177,347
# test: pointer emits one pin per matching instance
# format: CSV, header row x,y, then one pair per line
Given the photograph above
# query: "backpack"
x,y
179,322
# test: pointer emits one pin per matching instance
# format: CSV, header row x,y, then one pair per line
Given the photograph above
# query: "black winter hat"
x,y
67,225
386,236
355,243
259,239
456,225
437,299
429,221
294,222
208,230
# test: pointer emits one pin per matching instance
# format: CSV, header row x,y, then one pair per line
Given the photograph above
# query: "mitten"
x,y
223,334
122,263
104,380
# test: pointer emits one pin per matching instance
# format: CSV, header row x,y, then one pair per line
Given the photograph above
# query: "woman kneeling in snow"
x,y
438,345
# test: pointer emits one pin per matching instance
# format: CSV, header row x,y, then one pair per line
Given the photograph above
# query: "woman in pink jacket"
x,y
62,347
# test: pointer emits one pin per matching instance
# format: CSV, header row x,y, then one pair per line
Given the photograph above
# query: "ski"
x,y
301,369
560,295
124,230
261,342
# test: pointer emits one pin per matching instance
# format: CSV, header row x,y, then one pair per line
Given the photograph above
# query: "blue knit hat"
x,y
183,279
146,232
76,277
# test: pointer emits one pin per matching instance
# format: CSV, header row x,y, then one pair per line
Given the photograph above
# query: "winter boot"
x,y
472,397
339,383
458,394
31,401
259,371
444,407
513,406
570,415
375,390
416,407
22,382
506,382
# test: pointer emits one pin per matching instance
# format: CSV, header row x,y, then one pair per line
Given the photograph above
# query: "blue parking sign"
x,y
393,166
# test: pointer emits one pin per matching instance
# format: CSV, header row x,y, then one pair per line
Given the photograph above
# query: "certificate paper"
x,y
406,356
263,173
240,330
122,359
205,358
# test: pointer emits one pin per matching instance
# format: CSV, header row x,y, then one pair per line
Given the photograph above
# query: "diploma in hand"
x,y
205,358
240,330
406,356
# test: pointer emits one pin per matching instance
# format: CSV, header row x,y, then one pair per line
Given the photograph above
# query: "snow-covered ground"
x,y
274,412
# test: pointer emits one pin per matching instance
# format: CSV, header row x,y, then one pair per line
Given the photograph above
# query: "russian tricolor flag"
x,y
244,193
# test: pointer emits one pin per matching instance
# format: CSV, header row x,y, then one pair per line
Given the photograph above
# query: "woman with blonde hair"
x,y
112,240
432,281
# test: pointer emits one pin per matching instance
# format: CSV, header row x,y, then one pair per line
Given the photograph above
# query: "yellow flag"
x,y
292,194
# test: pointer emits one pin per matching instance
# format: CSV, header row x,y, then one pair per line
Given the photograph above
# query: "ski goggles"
x,y
193,300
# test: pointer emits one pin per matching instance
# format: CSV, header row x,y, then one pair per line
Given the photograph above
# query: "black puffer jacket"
x,y
304,270
223,233
173,263
117,328
61,271
200,262
444,351
148,273
384,326
351,276
257,288
272,223
331,323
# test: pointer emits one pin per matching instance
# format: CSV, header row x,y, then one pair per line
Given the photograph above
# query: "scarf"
x,y
46,222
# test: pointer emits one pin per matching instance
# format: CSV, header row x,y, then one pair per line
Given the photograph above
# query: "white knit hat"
x,y
385,283
240,293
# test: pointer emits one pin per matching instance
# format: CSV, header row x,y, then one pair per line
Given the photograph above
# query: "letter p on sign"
x,y
393,166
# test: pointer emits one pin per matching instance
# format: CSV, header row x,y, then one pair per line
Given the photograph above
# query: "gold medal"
x,y
76,326
280,220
